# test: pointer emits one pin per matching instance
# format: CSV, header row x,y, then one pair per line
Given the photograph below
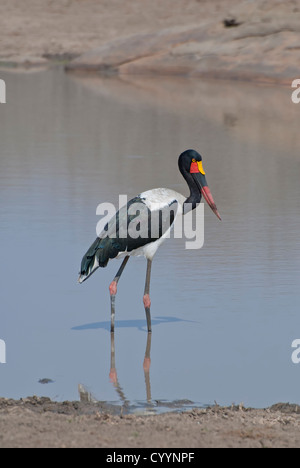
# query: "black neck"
x,y
195,195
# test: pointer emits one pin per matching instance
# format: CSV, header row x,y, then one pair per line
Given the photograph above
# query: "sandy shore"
x,y
39,422
227,39
39,29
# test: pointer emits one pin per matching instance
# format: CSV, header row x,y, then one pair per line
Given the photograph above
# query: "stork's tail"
x,y
97,256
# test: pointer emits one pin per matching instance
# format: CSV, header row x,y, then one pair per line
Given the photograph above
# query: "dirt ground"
x,y
41,28
224,39
39,422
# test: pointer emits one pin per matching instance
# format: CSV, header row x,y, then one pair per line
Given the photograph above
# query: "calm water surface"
x,y
224,316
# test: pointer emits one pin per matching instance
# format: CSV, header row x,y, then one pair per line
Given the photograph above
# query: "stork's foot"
x,y
113,288
147,301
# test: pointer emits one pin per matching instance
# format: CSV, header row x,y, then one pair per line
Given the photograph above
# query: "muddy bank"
x,y
252,41
226,39
40,422
39,31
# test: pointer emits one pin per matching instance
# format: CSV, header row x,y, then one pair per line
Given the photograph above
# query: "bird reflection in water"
x,y
113,377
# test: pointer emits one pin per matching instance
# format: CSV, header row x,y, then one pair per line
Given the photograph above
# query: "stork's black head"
x,y
190,166
186,158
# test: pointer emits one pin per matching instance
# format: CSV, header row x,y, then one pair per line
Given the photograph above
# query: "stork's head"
x,y
191,167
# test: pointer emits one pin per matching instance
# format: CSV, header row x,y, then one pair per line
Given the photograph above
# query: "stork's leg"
x,y
146,366
146,298
113,292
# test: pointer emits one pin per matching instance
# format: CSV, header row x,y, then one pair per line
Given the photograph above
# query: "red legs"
x,y
113,292
146,298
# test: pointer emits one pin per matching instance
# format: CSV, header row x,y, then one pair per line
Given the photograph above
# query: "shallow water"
x,y
224,316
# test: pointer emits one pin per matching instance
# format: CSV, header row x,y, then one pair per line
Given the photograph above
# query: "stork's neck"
x,y
194,197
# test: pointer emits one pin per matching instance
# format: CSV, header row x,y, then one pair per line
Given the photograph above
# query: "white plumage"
x,y
157,199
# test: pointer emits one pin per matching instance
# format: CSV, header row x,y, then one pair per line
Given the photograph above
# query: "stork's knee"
x,y
147,301
113,288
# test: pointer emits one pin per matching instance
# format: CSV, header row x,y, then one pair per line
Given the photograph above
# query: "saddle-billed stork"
x,y
116,240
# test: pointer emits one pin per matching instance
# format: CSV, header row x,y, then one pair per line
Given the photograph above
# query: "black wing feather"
x,y
108,246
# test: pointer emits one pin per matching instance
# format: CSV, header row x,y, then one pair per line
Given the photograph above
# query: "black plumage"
x,y
112,240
